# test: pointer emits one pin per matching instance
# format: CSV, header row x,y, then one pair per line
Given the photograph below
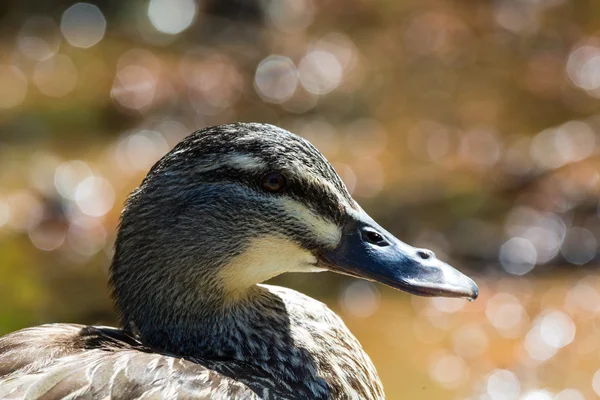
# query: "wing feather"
x,y
73,361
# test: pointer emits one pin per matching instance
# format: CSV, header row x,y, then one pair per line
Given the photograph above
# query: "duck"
x,y
228,208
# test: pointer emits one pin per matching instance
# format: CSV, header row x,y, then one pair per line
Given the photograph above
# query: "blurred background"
x,y
468,127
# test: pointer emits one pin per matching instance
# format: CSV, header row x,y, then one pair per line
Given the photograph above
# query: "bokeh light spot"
x,y
449,371
56,76
47,236
139,150
470,341
518,256
25,210
583,67
39,38
68,176
579,246
290,15
172,16
320,72
83,25
569,394
360,299
557,328
538,395
95,196
134,87
596,382
507,315
551,331
86,236
276,79
503,385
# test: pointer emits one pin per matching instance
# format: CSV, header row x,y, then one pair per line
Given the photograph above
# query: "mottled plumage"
x,y
61,359
196,240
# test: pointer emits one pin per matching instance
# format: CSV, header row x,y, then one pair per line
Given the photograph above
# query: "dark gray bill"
x,y
368,251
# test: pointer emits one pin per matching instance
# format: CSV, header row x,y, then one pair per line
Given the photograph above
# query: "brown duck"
x,y
228,208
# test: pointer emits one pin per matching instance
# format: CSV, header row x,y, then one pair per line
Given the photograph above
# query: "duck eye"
x,y
273,182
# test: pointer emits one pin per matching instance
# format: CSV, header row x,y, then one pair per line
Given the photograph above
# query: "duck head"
x,y
234,205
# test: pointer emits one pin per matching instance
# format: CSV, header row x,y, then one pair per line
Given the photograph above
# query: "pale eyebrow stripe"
x,y
327,232
244,162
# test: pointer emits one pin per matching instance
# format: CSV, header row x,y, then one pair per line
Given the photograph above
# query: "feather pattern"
x,y
73,361
318,359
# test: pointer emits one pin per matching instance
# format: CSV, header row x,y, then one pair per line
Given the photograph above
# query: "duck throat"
x,y
196,307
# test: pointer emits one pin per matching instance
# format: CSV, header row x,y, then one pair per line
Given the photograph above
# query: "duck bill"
x,y
368,251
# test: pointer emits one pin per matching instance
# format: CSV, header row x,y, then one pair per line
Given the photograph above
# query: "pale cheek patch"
x,y
265,258
325,232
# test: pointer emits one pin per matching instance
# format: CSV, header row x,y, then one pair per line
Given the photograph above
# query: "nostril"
x,y
374,238
425,254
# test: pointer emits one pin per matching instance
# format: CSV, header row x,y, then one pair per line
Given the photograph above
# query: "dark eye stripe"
x,y
316,196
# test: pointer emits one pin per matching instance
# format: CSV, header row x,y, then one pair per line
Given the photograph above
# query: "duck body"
x,y
228,208
316,357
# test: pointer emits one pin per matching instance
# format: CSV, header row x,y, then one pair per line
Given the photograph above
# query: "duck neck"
x,y
179,316
243,329
255,333
189,311
239,329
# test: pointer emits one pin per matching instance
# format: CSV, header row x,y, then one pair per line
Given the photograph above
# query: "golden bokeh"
x,y
468,127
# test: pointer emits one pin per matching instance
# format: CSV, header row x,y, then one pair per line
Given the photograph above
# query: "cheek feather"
x,y
264,258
